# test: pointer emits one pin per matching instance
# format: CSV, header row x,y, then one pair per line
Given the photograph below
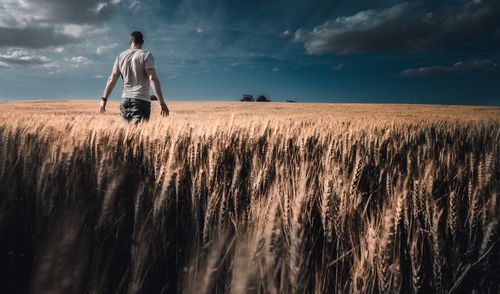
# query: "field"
x,y
249,198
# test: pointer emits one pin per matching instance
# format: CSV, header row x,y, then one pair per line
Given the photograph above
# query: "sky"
x,y
376,51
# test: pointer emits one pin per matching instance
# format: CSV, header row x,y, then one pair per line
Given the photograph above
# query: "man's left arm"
x,y
155,83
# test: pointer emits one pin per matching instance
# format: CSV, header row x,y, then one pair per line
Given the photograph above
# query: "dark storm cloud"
x,y
457,68
33,37
15,12
412,26
256,17
87,11
44,23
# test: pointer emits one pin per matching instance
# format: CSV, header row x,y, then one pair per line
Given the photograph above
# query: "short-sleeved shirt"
x,y
132,65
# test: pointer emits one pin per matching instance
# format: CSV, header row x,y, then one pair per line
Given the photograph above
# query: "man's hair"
x,y
137,38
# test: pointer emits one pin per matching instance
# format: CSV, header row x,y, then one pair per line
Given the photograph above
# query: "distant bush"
x,y
247,98
263,98
291,101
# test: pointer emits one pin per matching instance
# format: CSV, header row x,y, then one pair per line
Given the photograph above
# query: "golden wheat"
x,y
249,198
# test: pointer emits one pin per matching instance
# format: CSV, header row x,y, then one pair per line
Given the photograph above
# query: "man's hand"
x,y
102,106
164,109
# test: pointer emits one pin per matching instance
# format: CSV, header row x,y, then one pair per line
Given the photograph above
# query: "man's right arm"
x,y
113,78
110,84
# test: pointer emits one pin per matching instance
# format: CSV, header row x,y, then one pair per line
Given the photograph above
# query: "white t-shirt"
x,y
132,64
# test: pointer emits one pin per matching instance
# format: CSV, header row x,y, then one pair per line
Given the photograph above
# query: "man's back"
x,y
132,65
136,67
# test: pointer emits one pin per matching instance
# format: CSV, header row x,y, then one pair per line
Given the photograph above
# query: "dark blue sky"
x,y
323,50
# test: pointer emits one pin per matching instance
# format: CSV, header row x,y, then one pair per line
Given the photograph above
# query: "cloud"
x,y
77,61
338,67
460,67
409,26
79,31
15,13
276,69
105,48
33,37
134,5
19,57
49,23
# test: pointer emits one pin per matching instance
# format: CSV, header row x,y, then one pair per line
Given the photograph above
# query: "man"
x,y
136,67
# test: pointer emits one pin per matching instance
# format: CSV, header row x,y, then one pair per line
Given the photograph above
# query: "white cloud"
x,y
100,7
59,50
77,61
134,5
276,69
23,58
79,31
286,33
200,30
105,48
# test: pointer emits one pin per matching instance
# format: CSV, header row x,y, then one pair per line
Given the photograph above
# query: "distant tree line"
x,y
249,98
261,98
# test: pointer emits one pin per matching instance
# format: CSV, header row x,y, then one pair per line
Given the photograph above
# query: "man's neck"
x,y
135,47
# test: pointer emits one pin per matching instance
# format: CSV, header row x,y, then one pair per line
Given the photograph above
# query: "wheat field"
x,y
249,198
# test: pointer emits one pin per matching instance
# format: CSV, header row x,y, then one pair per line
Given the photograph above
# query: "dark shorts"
x,y
135,110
